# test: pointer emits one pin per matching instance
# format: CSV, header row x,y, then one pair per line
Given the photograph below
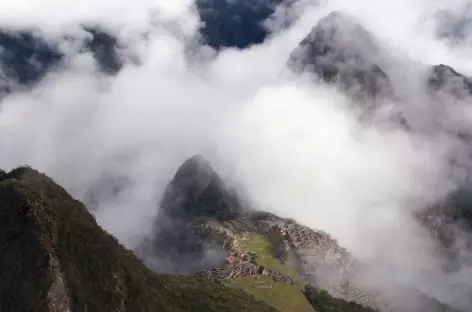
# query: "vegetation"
x,y
266,247
324,302
42,228
100,274
283,296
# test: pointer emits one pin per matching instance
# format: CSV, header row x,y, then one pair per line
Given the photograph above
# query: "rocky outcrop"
x,y
448,221
196,191
446,79
325,264
240,263
340,50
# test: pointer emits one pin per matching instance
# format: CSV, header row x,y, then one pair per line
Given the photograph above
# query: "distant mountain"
x,y
340,50
235,23
26,55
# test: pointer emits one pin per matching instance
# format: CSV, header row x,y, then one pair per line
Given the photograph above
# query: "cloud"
x,y
298,148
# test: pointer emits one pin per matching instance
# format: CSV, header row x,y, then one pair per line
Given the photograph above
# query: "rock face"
x,y
43,288
56,258
339,50
446,218
445,79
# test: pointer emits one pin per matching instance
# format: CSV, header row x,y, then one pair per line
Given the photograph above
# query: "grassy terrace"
x,y
285,297
265,249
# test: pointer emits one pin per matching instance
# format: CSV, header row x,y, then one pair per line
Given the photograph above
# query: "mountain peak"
x,y
195,167
197,190
340,50
447,79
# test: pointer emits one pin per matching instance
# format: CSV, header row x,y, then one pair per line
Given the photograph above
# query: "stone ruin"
x,y
238,263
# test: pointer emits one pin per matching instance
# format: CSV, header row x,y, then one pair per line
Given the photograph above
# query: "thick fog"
x,y
298,148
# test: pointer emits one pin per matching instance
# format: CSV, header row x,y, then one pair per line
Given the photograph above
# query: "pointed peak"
x,y
342,30
339,19
447,79
196,165
196,161
340,50
197,190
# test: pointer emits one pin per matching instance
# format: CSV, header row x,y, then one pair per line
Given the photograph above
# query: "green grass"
x,y
265,251
285,297
324,302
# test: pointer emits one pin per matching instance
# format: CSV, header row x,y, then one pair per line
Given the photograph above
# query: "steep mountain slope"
x,y
56,258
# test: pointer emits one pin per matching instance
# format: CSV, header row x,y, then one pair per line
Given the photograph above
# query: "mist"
x,y
297,147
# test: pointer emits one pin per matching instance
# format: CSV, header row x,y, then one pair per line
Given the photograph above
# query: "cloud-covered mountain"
x,y
365,140
26,55
340,50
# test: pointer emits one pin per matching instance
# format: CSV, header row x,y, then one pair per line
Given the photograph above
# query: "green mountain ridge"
x,y
55,257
